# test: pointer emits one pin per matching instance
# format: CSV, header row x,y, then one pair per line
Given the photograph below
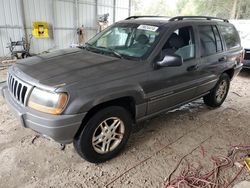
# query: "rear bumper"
x,y
246,64
237,69
61,128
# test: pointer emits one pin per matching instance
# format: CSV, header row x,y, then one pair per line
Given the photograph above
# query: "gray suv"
x,y
131,71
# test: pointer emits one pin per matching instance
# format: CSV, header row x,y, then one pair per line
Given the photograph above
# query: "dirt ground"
x,y
150,156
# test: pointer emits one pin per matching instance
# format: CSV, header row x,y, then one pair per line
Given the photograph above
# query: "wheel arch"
x,y
230,73
127,102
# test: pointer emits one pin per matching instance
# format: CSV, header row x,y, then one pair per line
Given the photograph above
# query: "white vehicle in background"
x,y
243,27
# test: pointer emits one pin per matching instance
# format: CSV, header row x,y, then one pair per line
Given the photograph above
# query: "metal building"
x,y
63,17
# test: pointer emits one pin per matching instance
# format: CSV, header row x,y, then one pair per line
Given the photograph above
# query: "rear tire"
x,y
219,93
104,135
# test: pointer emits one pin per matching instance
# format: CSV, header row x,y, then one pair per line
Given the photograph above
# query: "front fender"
x,y
84,101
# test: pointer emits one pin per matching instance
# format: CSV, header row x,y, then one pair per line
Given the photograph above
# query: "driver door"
x,y
168,87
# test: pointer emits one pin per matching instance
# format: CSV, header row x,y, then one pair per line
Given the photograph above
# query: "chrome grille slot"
x,y
15,85
24,90
18,89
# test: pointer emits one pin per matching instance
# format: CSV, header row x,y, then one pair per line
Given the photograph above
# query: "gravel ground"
x,y
151,155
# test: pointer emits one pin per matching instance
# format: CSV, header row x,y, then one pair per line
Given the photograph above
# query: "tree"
x,y
243,10
230,9
153,7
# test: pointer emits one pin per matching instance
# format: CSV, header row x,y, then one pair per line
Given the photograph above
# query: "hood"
x,y
73,66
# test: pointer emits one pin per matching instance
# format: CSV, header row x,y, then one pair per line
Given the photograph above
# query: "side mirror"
x,y
170,61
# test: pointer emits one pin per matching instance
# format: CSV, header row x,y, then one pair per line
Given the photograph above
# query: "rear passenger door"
x,y
211,57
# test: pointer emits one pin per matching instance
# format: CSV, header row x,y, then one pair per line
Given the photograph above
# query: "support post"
x,y
96,15
23,20
76,20
114,11
53,22
129,8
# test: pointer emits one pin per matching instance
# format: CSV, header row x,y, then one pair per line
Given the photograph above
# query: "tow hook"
x,y
62,146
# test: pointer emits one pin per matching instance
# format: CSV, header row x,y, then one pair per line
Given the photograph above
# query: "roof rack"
x,y
135,17
177,18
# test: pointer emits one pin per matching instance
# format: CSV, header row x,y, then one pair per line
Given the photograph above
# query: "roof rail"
x,y
135,17
177,18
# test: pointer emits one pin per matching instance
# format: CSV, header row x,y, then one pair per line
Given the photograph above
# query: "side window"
x,y
218,43
181,42
207,40
230,35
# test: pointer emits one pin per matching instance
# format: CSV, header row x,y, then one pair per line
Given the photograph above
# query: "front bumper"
x,y
61,128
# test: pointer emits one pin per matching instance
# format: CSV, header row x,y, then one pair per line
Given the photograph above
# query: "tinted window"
x,y
207,40
230,35
218,39
181,42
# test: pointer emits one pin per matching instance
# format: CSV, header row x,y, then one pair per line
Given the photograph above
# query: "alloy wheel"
x,y
221,91
108,135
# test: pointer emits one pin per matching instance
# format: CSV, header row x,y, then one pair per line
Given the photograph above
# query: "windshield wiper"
x,y
107,49
88,46
92,48
117,54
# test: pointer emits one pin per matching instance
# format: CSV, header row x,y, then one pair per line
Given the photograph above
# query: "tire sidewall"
x,y
85,138
227,79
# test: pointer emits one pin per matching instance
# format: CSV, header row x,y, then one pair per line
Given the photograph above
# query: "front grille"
x,y
247,54
18,89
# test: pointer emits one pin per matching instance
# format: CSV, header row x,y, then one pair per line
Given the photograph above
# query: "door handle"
x,y
222,59
192,68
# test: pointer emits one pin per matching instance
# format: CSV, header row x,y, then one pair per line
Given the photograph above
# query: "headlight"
x,y
48,102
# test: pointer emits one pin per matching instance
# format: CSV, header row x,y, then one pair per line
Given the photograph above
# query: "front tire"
x,y
104,135
219,93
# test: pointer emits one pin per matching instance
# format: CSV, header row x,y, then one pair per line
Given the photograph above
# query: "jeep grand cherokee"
x,y
131,71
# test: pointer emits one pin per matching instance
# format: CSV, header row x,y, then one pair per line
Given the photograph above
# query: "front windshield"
x,y
130,40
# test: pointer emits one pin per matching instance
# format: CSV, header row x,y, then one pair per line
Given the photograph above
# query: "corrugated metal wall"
x,y
10,23
63,16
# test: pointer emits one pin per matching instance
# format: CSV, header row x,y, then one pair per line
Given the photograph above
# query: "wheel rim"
x,y
108,135
221,91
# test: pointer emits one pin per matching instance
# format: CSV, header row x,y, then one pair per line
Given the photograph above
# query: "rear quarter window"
x,y
230,36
